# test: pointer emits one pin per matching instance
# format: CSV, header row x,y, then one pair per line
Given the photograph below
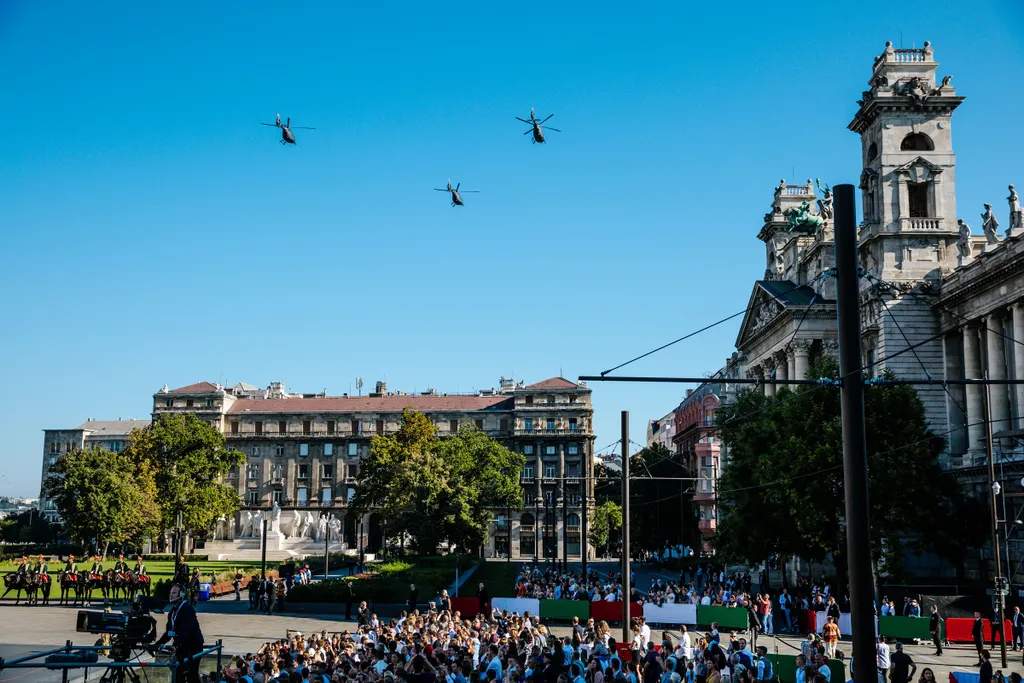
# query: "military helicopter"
x,y
286,130
538,132
456,197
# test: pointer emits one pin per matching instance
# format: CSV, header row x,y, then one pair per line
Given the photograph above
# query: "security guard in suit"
x,y
183,629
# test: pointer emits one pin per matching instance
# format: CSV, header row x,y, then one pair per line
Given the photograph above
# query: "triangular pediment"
x,y
919,162
762,309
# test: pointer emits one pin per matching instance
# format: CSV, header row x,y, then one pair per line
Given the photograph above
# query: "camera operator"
x,y
183,628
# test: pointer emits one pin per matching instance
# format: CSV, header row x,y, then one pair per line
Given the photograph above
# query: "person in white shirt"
x,y
882,655
645,631
706,600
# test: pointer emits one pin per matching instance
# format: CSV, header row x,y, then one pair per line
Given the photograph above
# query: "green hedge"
x,y
388,582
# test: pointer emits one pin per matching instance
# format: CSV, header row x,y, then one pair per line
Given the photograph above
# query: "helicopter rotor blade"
x,y
549,116
524,120
272,125
550,128
528,132
440,189
461,191
303,127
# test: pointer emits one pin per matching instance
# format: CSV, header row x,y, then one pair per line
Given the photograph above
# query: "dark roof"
x,y
554,383
112,427
788,293
372,404
197,388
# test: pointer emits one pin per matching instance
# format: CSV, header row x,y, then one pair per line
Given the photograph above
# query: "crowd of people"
x,y
548,583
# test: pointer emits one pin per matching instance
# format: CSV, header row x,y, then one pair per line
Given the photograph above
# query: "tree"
x,y
437,489
103,496
28,527
781,492
188,459
605,520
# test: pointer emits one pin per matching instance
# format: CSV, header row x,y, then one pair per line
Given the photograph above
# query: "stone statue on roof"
x,y
825,203
802,220
989,224
963,242
1016,214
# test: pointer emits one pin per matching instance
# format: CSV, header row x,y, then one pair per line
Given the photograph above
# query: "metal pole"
x,y
220,652
855,464
177,561
508,528
989,450
263,560
626,593
585,504
327,551
565,524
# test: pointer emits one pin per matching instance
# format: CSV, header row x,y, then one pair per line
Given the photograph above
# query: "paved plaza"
x,y
24,630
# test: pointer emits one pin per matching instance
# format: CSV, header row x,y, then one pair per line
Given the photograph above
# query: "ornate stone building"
x,y
929,283
303,451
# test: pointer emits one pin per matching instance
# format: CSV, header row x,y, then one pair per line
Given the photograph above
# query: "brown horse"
x,y
19,582
78,584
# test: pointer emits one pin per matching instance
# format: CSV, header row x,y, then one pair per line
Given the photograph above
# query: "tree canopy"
x,y
781,491
104,495
189,459
437,489
605,520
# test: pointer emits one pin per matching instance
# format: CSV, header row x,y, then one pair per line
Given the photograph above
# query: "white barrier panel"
x,y
845,623
521,605
670,613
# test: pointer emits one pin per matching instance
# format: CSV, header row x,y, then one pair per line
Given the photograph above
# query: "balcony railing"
x,y
277,481
558,431
305,435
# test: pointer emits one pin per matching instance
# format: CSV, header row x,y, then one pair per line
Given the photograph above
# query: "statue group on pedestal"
x,y
990,226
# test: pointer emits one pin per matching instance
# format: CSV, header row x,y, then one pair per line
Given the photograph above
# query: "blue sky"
x,y
155,233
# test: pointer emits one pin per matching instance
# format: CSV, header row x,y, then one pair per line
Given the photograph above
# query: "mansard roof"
x,y
197,388
554,383
373,404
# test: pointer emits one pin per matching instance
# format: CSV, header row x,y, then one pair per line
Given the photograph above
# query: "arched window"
x,y
573,520
917,142
526,520
872,151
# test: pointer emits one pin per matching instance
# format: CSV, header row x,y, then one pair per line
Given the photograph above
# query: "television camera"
x,y
133,629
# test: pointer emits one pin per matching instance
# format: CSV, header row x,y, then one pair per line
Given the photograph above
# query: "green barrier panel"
x,y
904,627
565,609
727,617
784,666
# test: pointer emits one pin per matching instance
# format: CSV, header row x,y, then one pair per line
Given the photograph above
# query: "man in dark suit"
x,y
997,628
413,596
183,629
485,598
935,628
1017,622
978,635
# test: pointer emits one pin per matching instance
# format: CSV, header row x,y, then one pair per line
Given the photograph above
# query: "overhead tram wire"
x,y
693,334
892,316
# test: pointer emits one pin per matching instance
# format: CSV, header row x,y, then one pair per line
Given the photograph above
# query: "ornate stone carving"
x,y
800,346
768,312
1016,214
946,81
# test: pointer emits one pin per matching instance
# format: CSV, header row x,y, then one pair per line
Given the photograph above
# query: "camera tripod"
x,y
120,674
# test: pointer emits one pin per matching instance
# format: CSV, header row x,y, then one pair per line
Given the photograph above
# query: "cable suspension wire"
x,y
694,333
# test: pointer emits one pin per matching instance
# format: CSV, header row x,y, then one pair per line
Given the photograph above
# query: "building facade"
x,y
956,297
109,434
303,451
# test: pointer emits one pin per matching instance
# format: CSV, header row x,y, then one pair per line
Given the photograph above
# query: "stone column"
x,y
791,361
801,358
1018,358
904,198
769,387
996,365
781,367
975,405
539,472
